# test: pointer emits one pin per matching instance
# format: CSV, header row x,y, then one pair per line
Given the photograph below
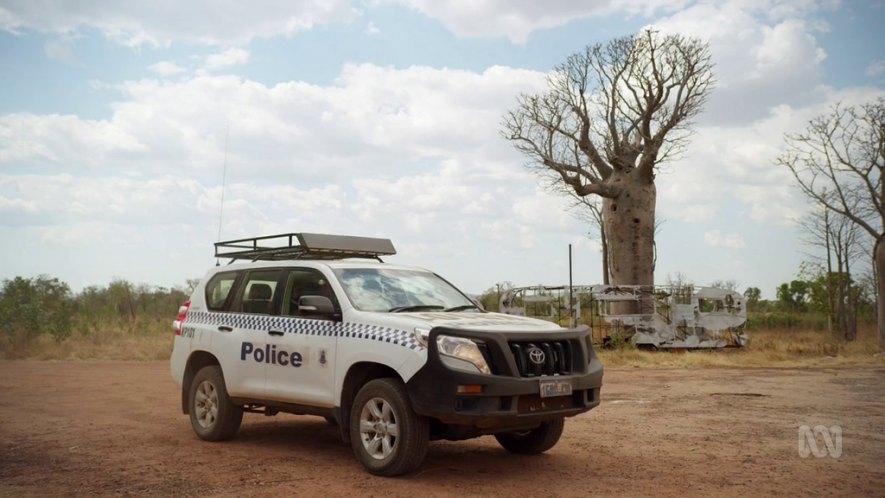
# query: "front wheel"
x,y
534,441
387,437
213,416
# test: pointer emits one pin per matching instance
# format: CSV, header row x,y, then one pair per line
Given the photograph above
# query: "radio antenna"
x,y
223,182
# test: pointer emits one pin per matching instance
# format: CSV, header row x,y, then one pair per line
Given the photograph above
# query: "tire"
x,y
213,416
380,404
535,441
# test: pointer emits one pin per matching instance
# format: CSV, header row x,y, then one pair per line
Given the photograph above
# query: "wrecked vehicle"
x,y
685,317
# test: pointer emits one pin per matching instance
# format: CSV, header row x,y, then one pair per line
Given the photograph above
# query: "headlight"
x,y
463,349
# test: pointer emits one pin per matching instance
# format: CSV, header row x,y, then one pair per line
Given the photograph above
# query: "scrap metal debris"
x,y
662,317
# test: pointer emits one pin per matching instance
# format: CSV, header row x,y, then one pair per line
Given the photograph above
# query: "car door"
x,y
302,346
215,330
244,331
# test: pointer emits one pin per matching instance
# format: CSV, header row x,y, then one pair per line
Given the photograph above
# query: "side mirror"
x,y
315,305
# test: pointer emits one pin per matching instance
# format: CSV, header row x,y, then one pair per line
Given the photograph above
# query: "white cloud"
x,y
373,118
15,204
61,204
65,143
417,139
876,68
738,161
166,68
514,20
716,238
412,154
230,57
765,54
60,50
161,22
517,19
371,29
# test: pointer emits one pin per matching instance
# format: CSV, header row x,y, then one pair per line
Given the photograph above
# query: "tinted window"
x,y
260,291
307,282
218,290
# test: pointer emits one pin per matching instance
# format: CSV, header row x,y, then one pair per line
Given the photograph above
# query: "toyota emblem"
x,y
536,356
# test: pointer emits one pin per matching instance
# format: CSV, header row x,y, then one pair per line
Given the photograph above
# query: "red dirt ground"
x,y
115,428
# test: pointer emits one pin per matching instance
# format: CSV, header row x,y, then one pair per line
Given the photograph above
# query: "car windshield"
x,y
384,289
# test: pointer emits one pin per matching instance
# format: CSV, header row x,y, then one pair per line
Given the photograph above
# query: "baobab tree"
x,y
610,115
837,163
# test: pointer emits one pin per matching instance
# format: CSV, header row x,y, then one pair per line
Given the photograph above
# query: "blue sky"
x,y
382,118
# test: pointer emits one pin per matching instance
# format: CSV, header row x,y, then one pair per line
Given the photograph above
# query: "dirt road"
x,y
116,428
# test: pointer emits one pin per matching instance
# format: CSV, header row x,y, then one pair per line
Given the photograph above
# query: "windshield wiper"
x,y
416,307
462,307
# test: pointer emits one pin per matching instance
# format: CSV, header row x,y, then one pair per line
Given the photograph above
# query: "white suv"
x,y
396,356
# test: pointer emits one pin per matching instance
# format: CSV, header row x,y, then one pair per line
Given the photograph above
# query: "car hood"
x,y
467,320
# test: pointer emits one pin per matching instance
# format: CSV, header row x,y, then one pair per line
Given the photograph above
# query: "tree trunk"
x,y
629,221
831,305
841,321
850,310
605,279
879,262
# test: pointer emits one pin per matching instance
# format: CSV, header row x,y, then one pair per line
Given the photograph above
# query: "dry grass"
x,y
152,340
144,340
768,348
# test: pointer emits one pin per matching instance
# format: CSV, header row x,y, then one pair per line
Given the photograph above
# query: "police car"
x,y
396,356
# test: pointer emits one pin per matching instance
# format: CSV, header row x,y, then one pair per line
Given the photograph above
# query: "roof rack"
x,y
286,246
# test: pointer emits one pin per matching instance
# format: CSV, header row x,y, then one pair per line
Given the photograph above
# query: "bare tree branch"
x,y
838,163
632,98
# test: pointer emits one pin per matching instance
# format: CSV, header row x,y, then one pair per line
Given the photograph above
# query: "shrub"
x,y
30,307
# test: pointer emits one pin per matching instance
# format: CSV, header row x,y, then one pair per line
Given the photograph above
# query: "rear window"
x,y
218,290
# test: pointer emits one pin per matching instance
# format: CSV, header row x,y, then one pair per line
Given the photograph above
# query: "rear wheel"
x,y
534,441
387,437
213,416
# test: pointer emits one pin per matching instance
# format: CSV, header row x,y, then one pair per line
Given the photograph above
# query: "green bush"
x,y
30,307
618,341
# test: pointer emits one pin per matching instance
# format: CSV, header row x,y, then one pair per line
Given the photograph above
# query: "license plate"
x,y
553,388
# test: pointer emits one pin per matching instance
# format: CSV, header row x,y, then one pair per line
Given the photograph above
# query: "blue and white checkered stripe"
x,y
305,326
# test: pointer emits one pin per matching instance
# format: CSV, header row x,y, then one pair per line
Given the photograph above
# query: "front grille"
x,y
555,357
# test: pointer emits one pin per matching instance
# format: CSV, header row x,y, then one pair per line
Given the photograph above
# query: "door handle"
x,y
225,328
275,332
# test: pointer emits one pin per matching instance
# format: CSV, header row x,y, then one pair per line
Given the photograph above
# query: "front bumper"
x,y
507,399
